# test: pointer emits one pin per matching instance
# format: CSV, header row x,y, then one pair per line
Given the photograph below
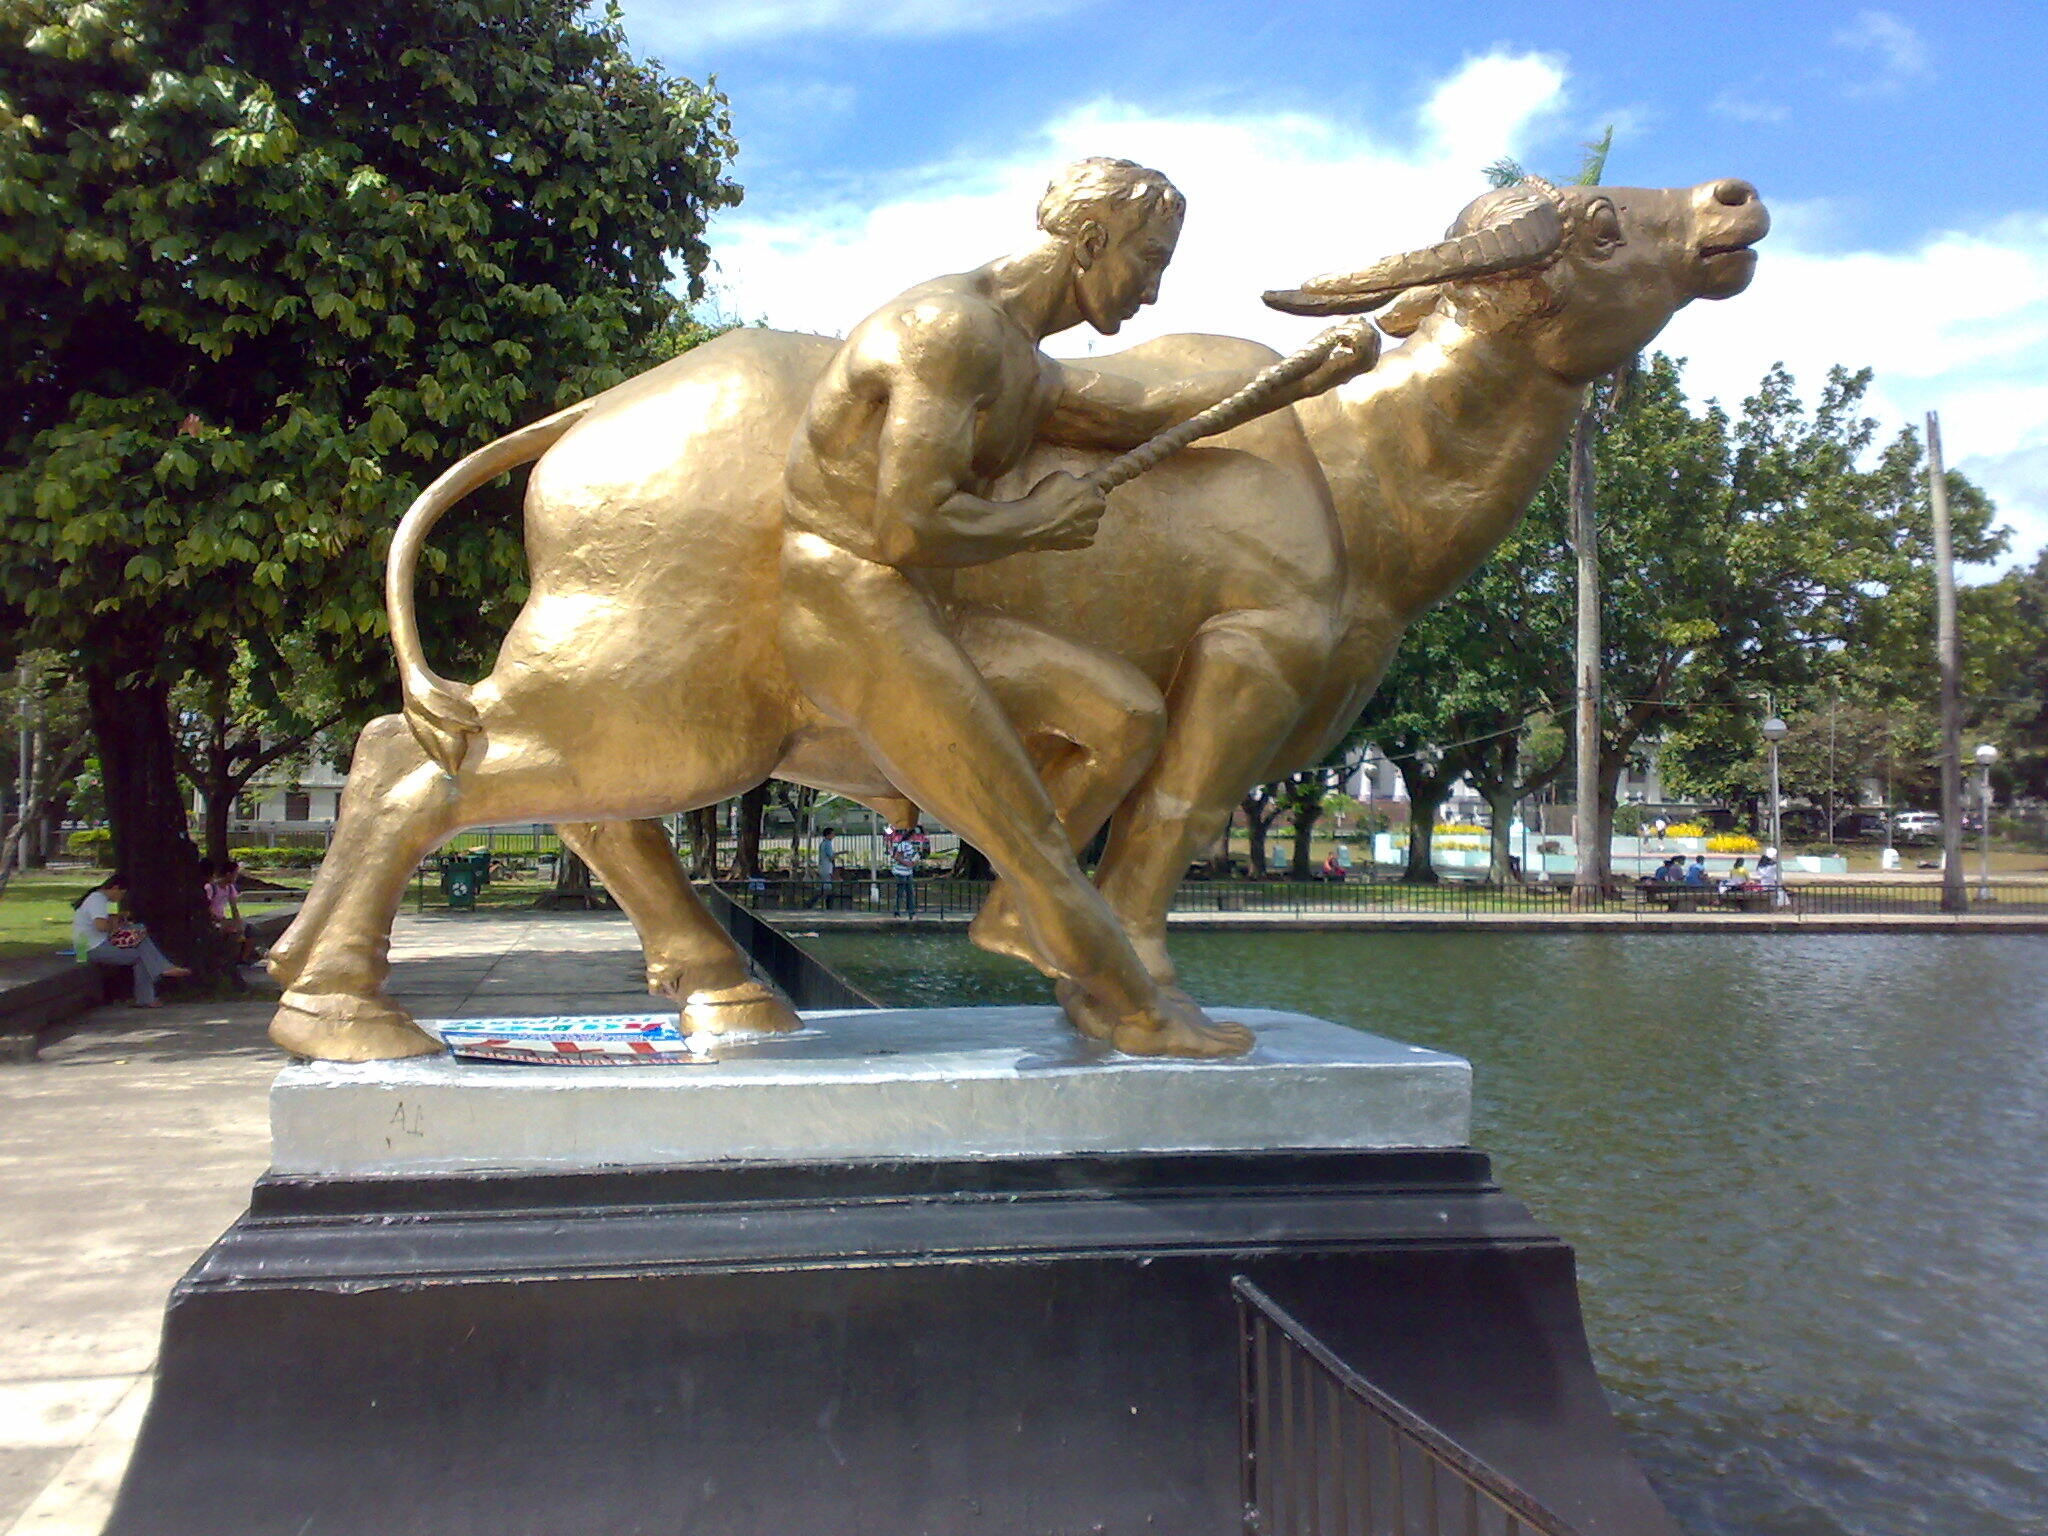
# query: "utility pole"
x,y
1589,880
1949,657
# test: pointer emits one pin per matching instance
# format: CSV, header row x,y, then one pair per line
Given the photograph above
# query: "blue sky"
x,y
1903,150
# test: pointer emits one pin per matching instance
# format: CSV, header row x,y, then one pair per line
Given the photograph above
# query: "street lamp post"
x,y
1774,732
1987,754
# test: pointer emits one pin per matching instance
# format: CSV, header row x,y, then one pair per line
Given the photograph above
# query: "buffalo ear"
x,y
1401,317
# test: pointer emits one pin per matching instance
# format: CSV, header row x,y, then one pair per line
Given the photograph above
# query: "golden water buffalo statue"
x,y
1233,613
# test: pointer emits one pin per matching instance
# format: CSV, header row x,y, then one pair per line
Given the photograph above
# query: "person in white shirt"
x,y
100,935
906,851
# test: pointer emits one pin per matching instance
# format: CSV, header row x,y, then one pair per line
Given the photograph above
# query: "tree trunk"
x,y
753,810
131,725
35,844
1305,819
1426,792
218,796
1255,823
704,843
1500,804
970,863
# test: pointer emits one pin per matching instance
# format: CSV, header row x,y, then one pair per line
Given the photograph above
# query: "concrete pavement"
x,y
132,1143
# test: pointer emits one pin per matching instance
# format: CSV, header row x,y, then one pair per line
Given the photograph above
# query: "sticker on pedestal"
x,y
575,1040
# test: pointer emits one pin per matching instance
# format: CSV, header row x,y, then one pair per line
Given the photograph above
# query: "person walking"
x,y
102,937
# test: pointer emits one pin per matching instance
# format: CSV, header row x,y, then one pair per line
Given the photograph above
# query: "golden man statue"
x,y
887,568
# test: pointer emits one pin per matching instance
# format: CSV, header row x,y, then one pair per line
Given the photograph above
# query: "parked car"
x,y
1916,826
1857,826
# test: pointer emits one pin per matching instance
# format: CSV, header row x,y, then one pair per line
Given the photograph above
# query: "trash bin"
x,y
462,876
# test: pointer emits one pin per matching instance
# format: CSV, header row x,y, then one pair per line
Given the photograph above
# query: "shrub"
x,y
1733,842
1685,829
278,858
1457,827
95,843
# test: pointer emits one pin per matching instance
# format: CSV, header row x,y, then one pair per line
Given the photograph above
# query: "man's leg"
x,y
870,649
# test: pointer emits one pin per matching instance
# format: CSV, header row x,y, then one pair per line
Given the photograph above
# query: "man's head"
x,y
1122,222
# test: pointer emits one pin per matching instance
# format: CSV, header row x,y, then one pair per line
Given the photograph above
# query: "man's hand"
x,y
1356,348
1067,510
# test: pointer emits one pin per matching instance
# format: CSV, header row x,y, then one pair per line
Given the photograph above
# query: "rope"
x,y
1255,399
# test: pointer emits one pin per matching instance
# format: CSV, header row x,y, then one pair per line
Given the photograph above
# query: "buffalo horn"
x,y
1525,231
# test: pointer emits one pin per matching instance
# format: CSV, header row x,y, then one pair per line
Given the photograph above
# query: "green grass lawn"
x,y
35,910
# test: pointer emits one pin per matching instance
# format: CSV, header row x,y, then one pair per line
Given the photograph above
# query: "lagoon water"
x,y
1806,1176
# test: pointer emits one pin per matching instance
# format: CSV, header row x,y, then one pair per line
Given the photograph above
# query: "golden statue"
x,y
874,568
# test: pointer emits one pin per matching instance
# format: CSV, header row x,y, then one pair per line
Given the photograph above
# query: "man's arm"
x,y
1107,410
942,375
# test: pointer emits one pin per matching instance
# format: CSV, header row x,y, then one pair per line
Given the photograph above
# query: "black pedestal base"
x,y
1006,1348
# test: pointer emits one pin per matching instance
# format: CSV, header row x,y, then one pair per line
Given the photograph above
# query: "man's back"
x,y
944,349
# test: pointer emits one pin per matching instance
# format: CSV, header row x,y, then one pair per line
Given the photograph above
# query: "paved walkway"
x,y
132,1143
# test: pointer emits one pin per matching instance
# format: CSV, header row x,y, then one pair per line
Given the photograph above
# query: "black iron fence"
x,y
803,978
884,895
1327,1453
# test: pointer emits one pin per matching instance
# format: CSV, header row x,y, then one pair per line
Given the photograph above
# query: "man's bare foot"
x,y
1178,1027
177,971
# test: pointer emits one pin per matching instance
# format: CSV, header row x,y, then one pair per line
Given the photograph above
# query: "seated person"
x,y
101,935
224,901
1696,871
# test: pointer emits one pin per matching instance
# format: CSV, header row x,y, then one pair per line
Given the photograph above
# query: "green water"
x,y
1806,1175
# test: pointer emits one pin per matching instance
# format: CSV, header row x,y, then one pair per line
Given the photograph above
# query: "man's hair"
x,y
1114,193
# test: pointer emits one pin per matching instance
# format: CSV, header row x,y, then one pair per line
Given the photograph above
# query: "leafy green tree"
x,y
267,269
1835,557
233,726
2005,636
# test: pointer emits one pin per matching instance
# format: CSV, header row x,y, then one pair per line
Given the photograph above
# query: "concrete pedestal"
x,y
915,1275
917,1083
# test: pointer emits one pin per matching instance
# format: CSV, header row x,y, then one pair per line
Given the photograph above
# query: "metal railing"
x,y
944,897
1327,1453
804,979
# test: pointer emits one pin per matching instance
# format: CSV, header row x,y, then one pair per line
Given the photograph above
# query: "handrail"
x,y
1474,1476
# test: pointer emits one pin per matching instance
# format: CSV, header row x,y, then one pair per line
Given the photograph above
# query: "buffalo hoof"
x,y
336,1027
998,929
747,1009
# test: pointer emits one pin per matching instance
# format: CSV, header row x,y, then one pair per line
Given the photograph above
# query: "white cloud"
x,y
1271,199
1890,39
1746,109
1897,50
1958,324
674,23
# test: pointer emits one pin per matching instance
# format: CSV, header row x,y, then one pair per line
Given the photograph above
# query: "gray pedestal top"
x,y
922,1083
